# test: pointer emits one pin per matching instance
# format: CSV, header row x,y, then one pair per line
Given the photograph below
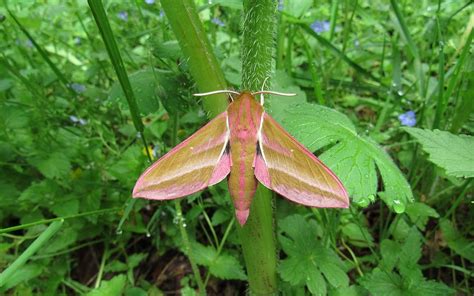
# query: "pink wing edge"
x,y
263,176
221,170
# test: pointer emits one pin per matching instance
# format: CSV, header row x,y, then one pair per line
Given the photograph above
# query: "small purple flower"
x,y
218,22
123,15
408,118
320,26
77,87
150,2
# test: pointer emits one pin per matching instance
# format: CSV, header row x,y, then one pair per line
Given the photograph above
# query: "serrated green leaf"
x,y
292,270
307,258
379,282
54,165
431,288
351,156
148,86
67,207
334,274
315,282
411,249
389,250
227,267
419,214
223,266
135,259
456,241
450,152
358,235
115,286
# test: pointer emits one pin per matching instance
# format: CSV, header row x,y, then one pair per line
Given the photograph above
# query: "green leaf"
x,y
223,266
352,157
358,235
419,214
379,282
115,286
149,86
315,282
450,152
308,261
135,259
54,165
456,241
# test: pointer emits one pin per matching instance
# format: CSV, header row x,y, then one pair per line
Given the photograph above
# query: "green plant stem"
x,y
193,41
257,236
30,251
27,225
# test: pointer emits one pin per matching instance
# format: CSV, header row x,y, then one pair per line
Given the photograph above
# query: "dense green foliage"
x,y
384,96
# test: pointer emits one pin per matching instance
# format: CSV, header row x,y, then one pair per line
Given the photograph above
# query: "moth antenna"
x,y
276,93
222,91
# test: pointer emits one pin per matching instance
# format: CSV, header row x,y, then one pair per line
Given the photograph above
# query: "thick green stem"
x,y
257,236
203,64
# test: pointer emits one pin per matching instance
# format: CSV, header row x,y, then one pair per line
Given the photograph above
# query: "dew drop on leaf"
x,y
398,207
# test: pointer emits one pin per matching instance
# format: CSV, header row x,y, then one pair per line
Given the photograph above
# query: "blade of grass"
x,y
30,251
411,47
103,24
332,20
45,221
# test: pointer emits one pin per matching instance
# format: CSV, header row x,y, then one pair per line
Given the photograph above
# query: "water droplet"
x,y
398,207
185,225
400,93
148,234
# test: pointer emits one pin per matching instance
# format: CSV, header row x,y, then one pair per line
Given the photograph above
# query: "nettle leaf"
x,y
115,286
309,262
459,244
353,157
149,87
419,214
223,265
450,152
54,165
398,272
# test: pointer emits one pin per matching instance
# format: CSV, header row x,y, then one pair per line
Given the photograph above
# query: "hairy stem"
x,y
258,236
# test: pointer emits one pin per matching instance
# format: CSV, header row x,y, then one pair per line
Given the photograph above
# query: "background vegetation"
x,y
376,81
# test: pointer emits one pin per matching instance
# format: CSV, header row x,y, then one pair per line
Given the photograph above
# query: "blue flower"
x,y
77,87
320,26
123,15
218,22
408,118
150,2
